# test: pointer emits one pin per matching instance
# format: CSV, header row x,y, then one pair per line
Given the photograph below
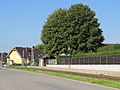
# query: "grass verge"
x,y
105,82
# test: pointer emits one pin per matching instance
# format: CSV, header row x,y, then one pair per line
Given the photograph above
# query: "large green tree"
x,y
76,28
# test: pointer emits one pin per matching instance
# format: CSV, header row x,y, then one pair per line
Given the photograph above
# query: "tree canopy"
x,y
40,46
76,28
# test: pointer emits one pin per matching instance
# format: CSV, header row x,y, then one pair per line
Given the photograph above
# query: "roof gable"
x,y
25,52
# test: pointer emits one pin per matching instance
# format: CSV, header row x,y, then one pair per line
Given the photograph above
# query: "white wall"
x,y
59,66
90,67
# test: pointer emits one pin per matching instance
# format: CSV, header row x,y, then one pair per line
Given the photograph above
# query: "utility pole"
x,y
2,57
69,57
23,58
32,56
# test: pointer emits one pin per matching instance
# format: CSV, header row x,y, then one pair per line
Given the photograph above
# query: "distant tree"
x,y
40,46
75,28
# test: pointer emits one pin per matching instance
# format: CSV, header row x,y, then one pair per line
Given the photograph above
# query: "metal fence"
x,y
107,59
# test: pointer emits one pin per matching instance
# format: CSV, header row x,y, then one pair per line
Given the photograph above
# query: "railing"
x,y
106,59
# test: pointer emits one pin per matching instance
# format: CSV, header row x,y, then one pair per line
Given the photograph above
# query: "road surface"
x,y
21,80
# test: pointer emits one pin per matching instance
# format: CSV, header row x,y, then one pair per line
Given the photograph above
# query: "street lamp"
x,y
69,57
32,56
23,58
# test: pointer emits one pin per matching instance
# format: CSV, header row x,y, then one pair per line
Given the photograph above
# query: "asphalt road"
x,y
21,80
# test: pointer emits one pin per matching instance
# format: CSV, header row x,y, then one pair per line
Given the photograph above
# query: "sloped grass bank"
x,y
105,82
104,50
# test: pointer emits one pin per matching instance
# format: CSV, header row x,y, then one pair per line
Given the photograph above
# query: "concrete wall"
x,y
41,62
90,67
59,66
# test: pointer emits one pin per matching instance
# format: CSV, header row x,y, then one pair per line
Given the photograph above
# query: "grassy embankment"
x,y
105,50
105,82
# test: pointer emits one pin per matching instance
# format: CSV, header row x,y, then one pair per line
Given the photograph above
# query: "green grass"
x,y
105,82
105,50
99,53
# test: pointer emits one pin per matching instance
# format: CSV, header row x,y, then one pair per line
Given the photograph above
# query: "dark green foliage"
x,y
75,28
16,64
5,62
36,62
109,48
105,50
40,46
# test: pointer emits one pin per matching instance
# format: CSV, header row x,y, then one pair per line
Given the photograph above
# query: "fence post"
x,y
75,62
115,59
69,58
79,60
94,60
100,60
106,59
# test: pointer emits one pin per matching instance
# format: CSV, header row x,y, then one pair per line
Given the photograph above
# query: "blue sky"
x,y
21,21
